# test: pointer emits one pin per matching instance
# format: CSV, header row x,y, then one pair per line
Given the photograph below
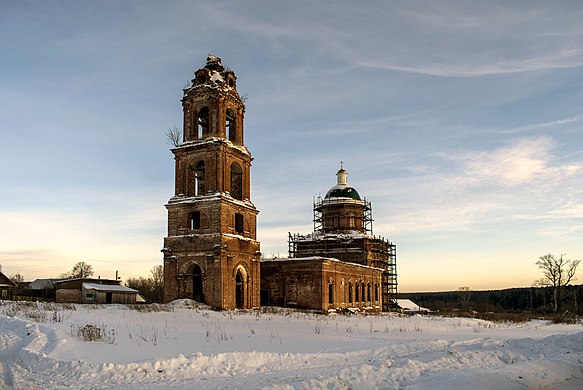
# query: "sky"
x,y
462,123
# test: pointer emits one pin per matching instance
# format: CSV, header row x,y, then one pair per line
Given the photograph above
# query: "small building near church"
x,y
85,290
7,286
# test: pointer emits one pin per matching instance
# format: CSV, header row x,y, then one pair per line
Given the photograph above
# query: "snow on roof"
x,y
211,196
41,284
210,140
345,235
108,287
409,305
311,258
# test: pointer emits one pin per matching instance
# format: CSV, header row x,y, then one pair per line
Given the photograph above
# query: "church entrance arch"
x,y
239,290
197,294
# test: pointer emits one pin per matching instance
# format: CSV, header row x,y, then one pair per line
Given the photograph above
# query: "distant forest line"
x,y
524,299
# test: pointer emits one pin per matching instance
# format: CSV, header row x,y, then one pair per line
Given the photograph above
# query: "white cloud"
x,y
526,160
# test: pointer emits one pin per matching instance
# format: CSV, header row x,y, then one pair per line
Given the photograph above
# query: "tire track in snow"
x,y
9,344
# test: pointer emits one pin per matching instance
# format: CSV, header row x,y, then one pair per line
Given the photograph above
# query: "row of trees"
x,y
553,291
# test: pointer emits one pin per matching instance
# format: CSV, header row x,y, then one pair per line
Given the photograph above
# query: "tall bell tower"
x,y
211,253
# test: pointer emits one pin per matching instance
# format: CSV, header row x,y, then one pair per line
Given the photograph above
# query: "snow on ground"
x,y
184,346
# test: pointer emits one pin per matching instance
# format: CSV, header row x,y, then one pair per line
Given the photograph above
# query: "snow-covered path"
x,y
180,346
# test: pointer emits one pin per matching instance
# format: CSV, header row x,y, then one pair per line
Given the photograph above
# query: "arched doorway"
x,y
197,294
240,290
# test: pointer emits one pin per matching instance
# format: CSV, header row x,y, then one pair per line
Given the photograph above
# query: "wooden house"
x,y
103,291
7,286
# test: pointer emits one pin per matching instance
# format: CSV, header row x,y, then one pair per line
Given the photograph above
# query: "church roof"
x,y
342,189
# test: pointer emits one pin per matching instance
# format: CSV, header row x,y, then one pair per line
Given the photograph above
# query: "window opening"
x,y
376,292
199,178
239,223
349,292
203,122
356,293
330,293
368,292
195,220
236,181
231,125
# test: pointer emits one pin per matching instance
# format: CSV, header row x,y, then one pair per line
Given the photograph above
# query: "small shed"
x,y
407,306
103,291
7,286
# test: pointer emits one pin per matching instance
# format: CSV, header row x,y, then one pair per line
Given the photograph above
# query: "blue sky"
x,y
460,121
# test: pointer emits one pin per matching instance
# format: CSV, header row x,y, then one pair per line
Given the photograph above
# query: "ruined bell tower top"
x,y
213,75
212,106
214,63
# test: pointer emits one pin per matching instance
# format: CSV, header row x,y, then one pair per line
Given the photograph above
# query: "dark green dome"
x,y
342,189
342,192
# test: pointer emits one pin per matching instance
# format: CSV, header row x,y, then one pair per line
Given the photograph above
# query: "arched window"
x,y
363,291
356,292
335,221
239,226
330,293
350,220
202,123
349,292
231,125
236,181
368,292
199,183
195,220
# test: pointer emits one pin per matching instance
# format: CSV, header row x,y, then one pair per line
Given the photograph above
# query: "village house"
x,y
7,286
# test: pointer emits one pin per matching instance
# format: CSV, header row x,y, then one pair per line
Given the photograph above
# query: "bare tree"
x,y
173,136
151,287
17,278
464,293
80,270
557,273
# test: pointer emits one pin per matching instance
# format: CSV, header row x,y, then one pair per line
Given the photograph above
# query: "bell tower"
x,y
211,253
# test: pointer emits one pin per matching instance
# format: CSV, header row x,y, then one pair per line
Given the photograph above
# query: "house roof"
x,y
88,280
41,284
108,288
5,281
409,305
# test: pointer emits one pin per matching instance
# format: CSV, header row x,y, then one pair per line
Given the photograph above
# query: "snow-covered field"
x,y
181,346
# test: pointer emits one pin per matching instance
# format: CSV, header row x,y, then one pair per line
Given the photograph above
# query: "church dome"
x,y
342,189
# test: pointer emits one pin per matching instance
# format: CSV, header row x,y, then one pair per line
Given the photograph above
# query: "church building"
x,y
211,253
350,267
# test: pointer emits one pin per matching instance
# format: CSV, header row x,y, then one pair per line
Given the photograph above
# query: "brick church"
x,y
211,253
